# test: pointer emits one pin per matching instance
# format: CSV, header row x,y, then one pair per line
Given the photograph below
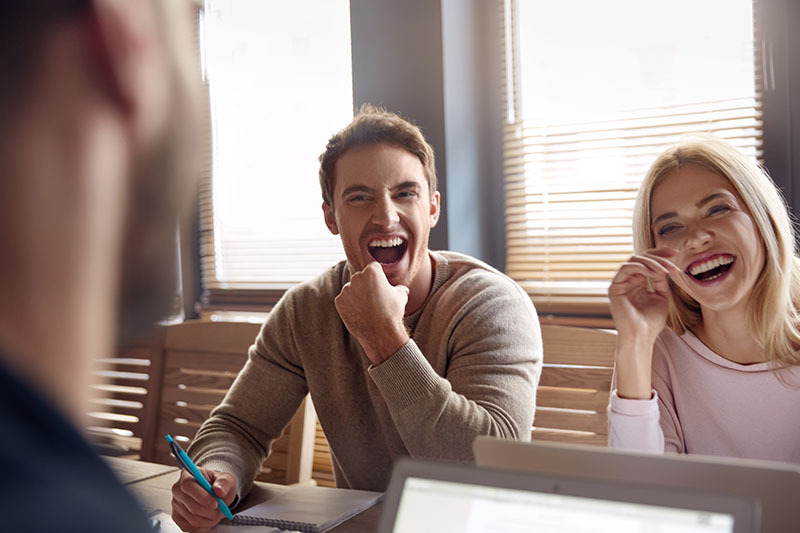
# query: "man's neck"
x,y
422,285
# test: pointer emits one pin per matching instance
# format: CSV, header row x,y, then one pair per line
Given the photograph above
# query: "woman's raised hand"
x,y
639,297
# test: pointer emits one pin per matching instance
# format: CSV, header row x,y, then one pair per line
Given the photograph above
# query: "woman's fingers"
x,y
637,277
640,267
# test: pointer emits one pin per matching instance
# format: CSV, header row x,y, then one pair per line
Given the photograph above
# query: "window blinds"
x,y
280,84
570,181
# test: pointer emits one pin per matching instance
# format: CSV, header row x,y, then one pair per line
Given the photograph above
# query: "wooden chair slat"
x,y
112,411
119,426
218,384
576,378
126,395
571,420
206,360
189,413
569,398
573,437
142,384
572,399
578,346
192,395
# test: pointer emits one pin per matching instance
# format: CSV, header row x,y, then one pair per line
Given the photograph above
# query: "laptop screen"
x,y
437,505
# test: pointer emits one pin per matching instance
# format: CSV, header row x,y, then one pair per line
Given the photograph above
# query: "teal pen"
x,y
190,467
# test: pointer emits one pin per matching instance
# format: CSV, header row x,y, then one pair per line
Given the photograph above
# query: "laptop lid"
x,y
425,496
775,485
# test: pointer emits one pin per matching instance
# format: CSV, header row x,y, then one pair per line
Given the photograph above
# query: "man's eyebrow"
x,y
410,184
355,188
701,203
407,185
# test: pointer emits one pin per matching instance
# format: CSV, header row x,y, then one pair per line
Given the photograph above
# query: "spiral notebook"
x,y
309,509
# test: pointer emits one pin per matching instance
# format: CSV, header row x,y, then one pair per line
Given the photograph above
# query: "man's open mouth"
x,y
711,268
387,251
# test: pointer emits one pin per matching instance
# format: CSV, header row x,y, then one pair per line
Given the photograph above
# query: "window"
x,y
280,84
595,91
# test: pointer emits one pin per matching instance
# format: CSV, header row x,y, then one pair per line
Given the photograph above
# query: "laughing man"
x,y
405,351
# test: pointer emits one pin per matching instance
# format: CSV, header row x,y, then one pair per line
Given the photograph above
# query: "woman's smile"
x,y
699,214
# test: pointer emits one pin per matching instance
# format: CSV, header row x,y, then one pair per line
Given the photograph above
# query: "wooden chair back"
x,y
201,360
124,399
572,399
171,383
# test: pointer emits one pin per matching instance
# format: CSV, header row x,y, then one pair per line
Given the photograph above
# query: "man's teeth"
x,y
705,266
386,243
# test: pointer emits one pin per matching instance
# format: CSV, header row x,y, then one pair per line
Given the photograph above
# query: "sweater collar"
x,y
707,353
441,272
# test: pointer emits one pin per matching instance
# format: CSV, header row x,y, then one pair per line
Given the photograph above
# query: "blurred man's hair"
x,y
23,24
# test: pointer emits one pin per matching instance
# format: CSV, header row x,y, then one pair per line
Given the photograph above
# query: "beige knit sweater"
x,y
471,369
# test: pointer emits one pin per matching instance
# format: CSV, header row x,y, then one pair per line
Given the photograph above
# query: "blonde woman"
x,y
706,310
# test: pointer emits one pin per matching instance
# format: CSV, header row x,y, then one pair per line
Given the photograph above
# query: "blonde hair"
x,y
772,310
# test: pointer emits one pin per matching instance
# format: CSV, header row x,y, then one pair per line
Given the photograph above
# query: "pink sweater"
x,y
705,404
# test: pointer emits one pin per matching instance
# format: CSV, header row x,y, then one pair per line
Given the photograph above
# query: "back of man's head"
x,y
97,120
121,42
375,125
23,25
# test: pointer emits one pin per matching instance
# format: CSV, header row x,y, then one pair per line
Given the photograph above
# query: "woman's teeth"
x,y
712,268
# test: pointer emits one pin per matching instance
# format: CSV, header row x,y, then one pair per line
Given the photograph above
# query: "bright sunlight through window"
x,y
600,89
280,84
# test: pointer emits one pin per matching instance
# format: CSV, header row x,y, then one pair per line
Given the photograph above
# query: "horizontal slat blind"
x,y
279,86
570,185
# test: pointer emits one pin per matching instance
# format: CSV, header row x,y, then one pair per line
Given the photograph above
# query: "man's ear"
x,y
435,199
126,47
330,218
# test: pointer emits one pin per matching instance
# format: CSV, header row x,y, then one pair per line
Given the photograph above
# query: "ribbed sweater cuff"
x,y
406,377
224,466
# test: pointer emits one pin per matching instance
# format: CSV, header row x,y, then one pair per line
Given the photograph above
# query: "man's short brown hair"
x,y
373,125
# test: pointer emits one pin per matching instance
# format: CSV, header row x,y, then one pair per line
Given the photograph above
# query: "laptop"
x,y
434,497
774,485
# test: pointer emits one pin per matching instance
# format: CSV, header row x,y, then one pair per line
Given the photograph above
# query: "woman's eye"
x,y
717,209
666,230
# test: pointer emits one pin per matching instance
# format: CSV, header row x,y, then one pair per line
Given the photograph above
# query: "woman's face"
x,y
699,214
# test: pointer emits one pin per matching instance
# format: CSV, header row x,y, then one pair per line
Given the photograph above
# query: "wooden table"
x,y
130,472
152,485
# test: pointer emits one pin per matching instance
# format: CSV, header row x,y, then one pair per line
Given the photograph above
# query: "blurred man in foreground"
x,y
95,102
